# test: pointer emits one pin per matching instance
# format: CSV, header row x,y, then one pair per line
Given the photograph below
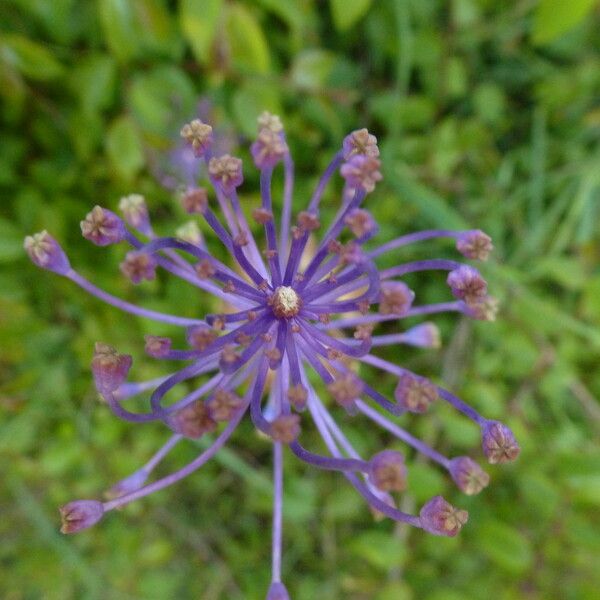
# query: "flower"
x,y
287,309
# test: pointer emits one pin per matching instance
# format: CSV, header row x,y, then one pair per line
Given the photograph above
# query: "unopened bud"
x,y
474,244
195,201
467,284
80,514
226,171
268,149
157,347
224,404
102,227
468,475
198,135
135,212
109,368
285,428
395,298
441,518
360,222
45,252
362,172
499,443
138,266
193,421
346,389
425,335
414,393
387,471
200,337
360,142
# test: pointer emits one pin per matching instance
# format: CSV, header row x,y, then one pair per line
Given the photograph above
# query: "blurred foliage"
x,y
488,117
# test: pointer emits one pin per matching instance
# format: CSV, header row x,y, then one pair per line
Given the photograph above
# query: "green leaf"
x,y
505,546
347,13
199,22
124,147
380,549
118,26
311,68
11,242
29,58
554,17
251,100
247,43
93,80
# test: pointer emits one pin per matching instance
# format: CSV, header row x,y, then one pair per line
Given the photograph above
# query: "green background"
x,y
488,116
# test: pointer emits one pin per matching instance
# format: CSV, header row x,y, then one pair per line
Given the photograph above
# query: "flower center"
x,y
286,302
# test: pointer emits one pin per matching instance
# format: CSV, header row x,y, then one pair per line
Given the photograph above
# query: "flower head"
x,y
289,309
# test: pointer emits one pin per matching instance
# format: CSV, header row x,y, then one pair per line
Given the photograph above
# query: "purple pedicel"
x,y
281,319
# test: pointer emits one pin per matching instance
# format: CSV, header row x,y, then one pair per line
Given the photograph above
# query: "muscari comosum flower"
x,y
288,312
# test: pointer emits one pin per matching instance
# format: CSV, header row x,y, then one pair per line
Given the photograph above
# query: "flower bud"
x,y
109,368
278,591
130,484
135,212
414,393
387,471
468,475
362,172
360,142
467,284
262,215
205,269
193,421
190,232
102,227
200,337
80,514
499,443
425,335
268,149
285,428
45,252
157,347
198,135
346,389
224,404
138,266
360,222
269,121
474,244
308,221
195,201
298,395
226,171
483,309
441,518
395,298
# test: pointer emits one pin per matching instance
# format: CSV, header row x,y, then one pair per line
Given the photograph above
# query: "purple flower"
x,y
287,306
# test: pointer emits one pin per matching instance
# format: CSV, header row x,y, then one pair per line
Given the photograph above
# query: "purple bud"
x,y
135,212
224,404
468,475
193,421
157,347
298,395
360,222
45,252
102,227
198,135
483,309
268,149
285,428
425,335
80,514
395,298
110,368
269,121
467,284
200,337
388,471
360,142
474,244
278,591
346,389
195,201
130,484
138,266
414,393
226,172
362,172
499,443
441,518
